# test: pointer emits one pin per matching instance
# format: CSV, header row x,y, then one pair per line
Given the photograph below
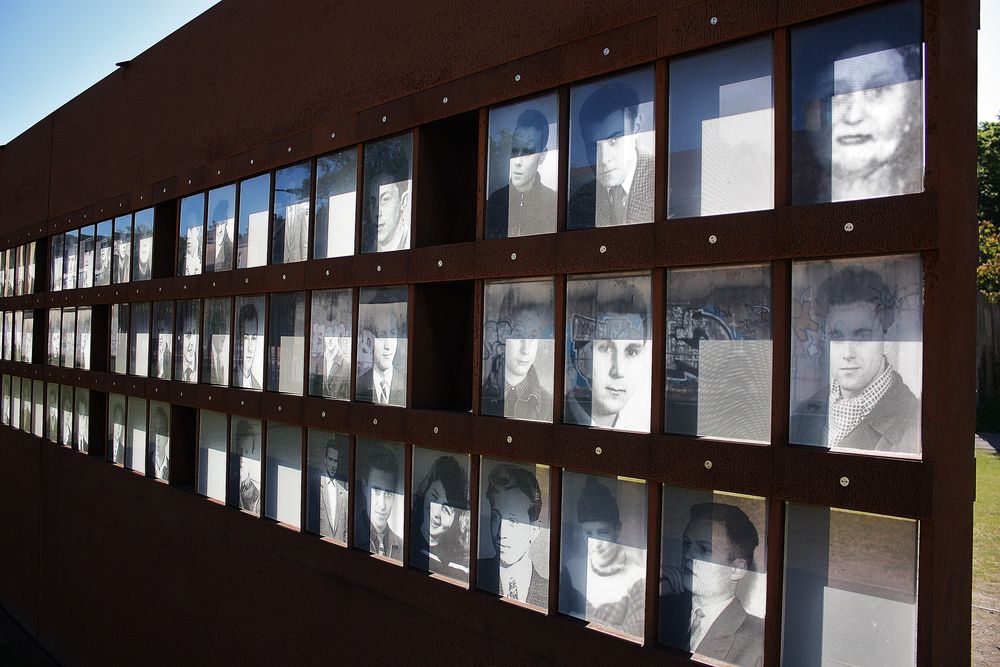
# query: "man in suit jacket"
x,y
379,480
619,187
220,258
383,383
332,496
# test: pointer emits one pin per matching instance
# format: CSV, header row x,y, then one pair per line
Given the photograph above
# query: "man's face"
x,y
511,528
602,542
190,349
617,368
220,235
380,495
710,568
332,461
857,347
249,345
526,154
521,346
244,446
438,514
145,246
386,337
611,146
391,200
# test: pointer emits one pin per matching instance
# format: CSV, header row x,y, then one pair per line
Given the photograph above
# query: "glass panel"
x,y
221,221
514,510
56,262
721,124
330,344
290,234
71,247
158,446
26,405
138,362
8,335
286,343
611,151
283,500
523,168
215,346
6,399
248,357
38,408
252,241
19,276
327,485
603,551
440,520
83,329
189,241
142,245
244,459
518,350
212,437
102,254
378,511
186,344
382,346
336,204
119,337
713,575
122,261
15,407
135,455
55,331
18,333
30,259
850,588
10,261
719,353
83,420
85,275
857,105
857,352
65,415
385,225
116,429
608,371
163,334
28,335
68,337
51,410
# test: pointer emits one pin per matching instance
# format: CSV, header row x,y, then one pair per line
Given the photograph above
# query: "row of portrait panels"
x,y
17,270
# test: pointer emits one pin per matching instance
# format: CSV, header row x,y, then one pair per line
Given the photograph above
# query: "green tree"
x,y
988,209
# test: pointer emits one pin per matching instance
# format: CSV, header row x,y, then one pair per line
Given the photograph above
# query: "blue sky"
x,y
52,50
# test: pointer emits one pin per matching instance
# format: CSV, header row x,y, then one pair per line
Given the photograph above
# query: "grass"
x,y
986,560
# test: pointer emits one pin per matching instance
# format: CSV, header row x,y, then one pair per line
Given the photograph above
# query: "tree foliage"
x,y
988,210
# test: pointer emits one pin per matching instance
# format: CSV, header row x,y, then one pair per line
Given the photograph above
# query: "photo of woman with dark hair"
x,y
441,517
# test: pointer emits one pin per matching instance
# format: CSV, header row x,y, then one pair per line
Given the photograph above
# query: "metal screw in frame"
x,y
713,239
509,439
328,272
435,429
440,263
375,421
279,408
598,451
242,402
444,100
385,119
517,77
604,249
708,465
849,227
289,149
333,135
714,20
607,50
378,268
323,414
845,480
251,160
513,256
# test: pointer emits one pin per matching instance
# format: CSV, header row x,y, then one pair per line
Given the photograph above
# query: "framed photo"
x,y
158,447
330,344
213,436
336,204
440,520
120,319
83,339
327,484
287,342
103,254
117,430
216,341
142,245
382,336
248,351
220,231
245,465
138,362
283,493
82,414
190,240
385,225
122,260
290,231
135,452
378,510
251,242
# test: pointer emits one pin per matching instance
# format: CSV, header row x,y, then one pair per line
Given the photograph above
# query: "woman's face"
x,y
438,516
602,545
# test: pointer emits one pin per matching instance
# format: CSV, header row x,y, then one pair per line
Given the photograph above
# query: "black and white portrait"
x,y
514,532
187,340
83,331
385,224
51,408
190,235
286,342
26,405
248,351
712,575
440,517
15,404
213,434
56,249
518,348
608,370
28,336
31,260
17,334
8,335
82,415
254,212
158,448
604,552
283,492
68,338
215,346
382,349
611,152
116,429
71,248
330,344
857,106
244,457
138,344
220,230
120,318
329,465
85,263
135,452
719,352
122,260
378,510
523,168
5,383
856,354
38,408
162,340
290,230
336,201
66,421
142,245
103,252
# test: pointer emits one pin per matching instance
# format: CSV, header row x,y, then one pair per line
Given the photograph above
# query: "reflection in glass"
x,y
138,362
83,340
290,235
186,343
611,151
248,355
122,260
604,551
8,335
523,168
440,516
385,224
51,409
382,346
15,407
119,337
719,353
336,204
71,247
330,344
6,399
158,446
856,369
38,408
162,337
215,345
608,371
378,511
10,259
244,461
17,334
518,349
326,485
26,405
103,252
30,259
514,532
283,494
19,275
82,420
850,588
142,245
221,223
116,429
85,261
65,412
212,438
713,575
286,343
135,454
56,262
68,338
251,248
857,105
190,235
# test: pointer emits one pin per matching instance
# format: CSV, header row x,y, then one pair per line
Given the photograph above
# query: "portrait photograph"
x,y
116,429
186,341
28,336
51,408
440,520
330,344
336,204
220,231
248,344
290,229
82,415
121,264
17,334
158,445
286,352
6,400
213,436
603,552
713,581
719,352
162,340
68,338
608,367
15,409
66,421
26,406
120,318
142,245
8,335
38,408
518,349
857,350
857,105
135,452
244,461
19,273
216,343
85,262
138,363
189,240
283,493
382,335
327,484
31,260
251,241
83,330
385,222
523,168
611,151
378,510
71,248
56,247
103,253
514,524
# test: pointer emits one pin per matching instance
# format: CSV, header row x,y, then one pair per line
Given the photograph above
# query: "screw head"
x,y
708,465
598,451
251,160
844,481
435,429
714,20
606,50
375,421
604,249
385,118
849,227
510,439
713,239
323,414
289,149
444,100
333,135
378,268
328,272
517,77
513,256
440,263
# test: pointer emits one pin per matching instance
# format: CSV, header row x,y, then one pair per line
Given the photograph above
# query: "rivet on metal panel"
x,y
182,393
119,204
323,414
159,289
213,283
844,481
328,272
185,288
708,465
242,402
209,397
284,276
289,149
251,160
513,256
604,249
849,227
444,100
598,451
279,408
440,263
246,281
218,173
606,50
378,268
713,238
385,118
164,192
333,135
510,439
714,20
84,216
435,429
375,421
517,77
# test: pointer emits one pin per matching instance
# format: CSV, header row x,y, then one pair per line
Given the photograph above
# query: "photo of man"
x,y
381,376
248,363
51,407
103,254
380,470
215,357
246,452
116,449
388,170
82,420
330,355
142,269
159,441
219,255
333,492
121,262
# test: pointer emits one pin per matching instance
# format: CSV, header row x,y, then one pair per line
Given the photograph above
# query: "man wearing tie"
x,y
333,495
379,478
383,383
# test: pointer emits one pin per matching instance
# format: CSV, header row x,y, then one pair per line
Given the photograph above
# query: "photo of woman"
x,y
441,515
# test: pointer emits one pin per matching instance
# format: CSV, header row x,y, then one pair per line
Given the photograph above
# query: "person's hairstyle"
x,y
380,457
452,477
160,414
337,446
610,308
387,162
597,503
522,298
118,414
536,120
854,284
245,430
506,477
615,97
741,532
248,311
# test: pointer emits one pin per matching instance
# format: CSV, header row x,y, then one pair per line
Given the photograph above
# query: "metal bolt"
x,y
189,183
713,238
279,408
444,100
714,20
513,256
284,276
164,192
213,283
375,422
604,249
328,272
289,149
517,77
209,397
510,439
246,281
385,118
242,402
435,429
218,173
323,414
598,451
440,263
251,160
849,227
708,465
606,50
378,268
333,135
844,481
